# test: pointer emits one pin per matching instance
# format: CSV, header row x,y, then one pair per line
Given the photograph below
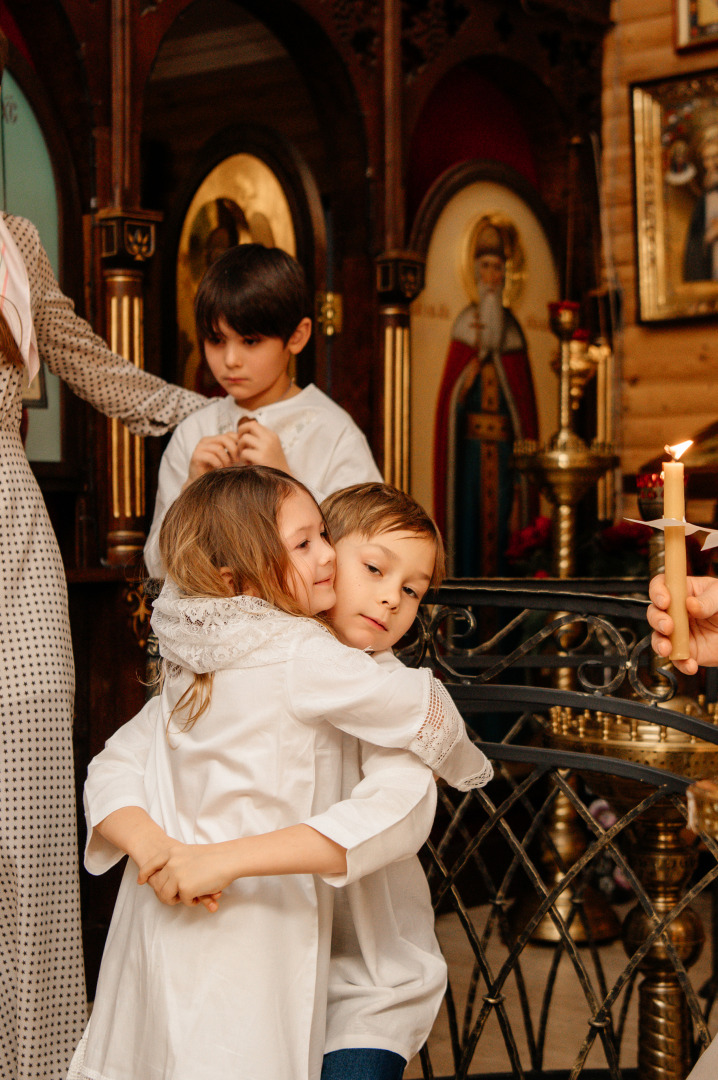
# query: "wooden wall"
x,y
669,384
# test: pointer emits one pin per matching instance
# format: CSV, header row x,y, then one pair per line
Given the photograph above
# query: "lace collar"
x,y
208,633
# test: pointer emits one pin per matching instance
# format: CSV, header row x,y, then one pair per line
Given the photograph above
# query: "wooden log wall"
x,y
669,384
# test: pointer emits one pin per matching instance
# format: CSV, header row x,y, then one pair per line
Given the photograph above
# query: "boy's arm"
x,y
387,812
399,708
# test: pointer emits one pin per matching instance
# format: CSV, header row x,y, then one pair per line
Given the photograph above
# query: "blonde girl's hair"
x,y
372,508
227,519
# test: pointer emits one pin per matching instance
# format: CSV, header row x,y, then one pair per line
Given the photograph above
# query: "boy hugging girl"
x,y
283,779
268,779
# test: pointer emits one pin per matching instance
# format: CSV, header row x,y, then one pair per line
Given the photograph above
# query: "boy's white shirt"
x,y
247,770
323,446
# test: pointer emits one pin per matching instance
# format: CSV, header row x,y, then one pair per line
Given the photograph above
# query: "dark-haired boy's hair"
x,y
256,290
372,508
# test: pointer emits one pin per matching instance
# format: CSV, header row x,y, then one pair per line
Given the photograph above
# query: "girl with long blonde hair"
x,y
245,741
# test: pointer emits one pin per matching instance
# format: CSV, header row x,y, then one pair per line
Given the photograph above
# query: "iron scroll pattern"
x,y
492,847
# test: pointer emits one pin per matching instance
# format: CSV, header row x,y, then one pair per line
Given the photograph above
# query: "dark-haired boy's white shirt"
x,y
323,446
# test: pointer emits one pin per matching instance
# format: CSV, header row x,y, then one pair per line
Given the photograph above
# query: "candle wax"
x,y
676,570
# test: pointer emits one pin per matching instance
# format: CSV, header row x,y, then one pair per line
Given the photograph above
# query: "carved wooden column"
x,y
400,277
127,242
400,273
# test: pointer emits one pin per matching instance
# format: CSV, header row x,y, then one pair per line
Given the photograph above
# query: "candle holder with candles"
x,y
566,468
674,506
661,856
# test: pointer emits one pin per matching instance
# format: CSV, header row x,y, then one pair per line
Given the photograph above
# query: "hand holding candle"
x,y
675,535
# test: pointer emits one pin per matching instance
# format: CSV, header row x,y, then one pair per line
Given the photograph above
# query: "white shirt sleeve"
x,y
387,816
350,462
116,779
173,471
403,709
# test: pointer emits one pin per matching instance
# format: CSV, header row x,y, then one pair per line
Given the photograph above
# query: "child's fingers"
x,y
164,887
211,902
150,868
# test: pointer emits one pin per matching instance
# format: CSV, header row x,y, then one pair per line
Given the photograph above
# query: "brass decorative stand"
x,y
565,470
663,861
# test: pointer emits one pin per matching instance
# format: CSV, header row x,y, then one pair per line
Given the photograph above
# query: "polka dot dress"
x,y
42,987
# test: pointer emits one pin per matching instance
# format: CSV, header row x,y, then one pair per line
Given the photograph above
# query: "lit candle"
x,y
674,506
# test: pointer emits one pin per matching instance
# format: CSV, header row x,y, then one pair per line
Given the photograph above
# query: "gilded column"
x,y
128,240
400,274
127,236
400,278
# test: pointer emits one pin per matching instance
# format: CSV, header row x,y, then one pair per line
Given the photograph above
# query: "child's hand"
x,y
193,874
259,445
213,452
702,607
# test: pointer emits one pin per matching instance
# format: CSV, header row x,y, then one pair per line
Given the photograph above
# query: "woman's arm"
x,y
71,349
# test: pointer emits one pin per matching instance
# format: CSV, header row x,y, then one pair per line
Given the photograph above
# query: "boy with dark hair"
x,y
251,315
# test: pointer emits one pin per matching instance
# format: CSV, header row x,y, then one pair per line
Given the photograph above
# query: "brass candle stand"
x,y
663,862
567,468
662,859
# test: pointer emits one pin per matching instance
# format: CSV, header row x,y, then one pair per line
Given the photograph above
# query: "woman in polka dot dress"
x,y
42,987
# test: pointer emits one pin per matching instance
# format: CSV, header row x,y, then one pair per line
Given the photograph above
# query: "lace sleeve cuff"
x,y
444,744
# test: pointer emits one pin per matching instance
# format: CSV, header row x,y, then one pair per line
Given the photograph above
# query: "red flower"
x,y
626,535
529,539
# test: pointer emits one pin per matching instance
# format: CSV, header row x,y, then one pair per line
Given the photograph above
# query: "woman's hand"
x,y
213,452
259,445
702,607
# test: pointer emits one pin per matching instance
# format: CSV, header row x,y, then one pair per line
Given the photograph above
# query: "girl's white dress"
x,y
241,994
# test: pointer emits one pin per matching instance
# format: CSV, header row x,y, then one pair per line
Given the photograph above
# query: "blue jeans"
x,y
363,1064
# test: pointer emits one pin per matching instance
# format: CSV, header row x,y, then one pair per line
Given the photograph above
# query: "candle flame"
x,y
679,449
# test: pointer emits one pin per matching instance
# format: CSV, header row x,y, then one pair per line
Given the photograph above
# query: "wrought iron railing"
x,y
579,704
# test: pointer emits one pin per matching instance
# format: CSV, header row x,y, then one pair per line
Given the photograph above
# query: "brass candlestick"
x,y
567,468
